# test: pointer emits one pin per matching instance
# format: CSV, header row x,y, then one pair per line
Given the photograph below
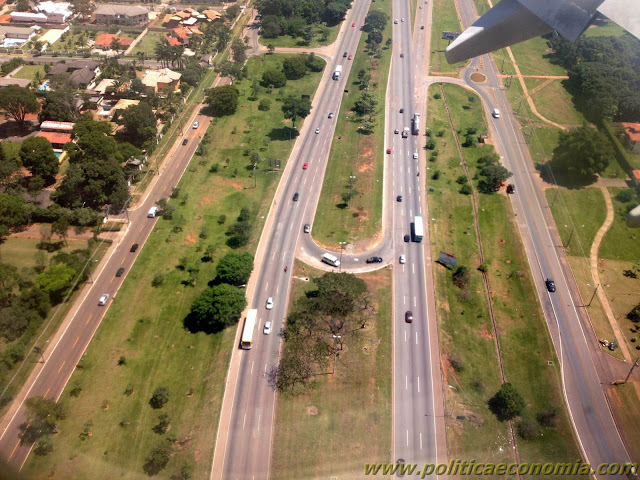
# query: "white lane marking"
x,y
252,368
404,299
405,335
291,226
416,338
410,213
277,289
244,421
414,302
418,384
409,190
413,267
421,441
406,382
266,286
265,368
407,437
260,418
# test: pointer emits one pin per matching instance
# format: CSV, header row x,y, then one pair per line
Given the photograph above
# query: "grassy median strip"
x,y
445,19
467,337
355,153
142,343
333,429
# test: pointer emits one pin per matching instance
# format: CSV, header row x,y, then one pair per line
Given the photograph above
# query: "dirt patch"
x,y
191,238
474,419
485,333
312,410
478,77
182,444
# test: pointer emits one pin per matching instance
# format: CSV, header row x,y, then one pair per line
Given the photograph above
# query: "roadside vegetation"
x,y
350,209
147,394
445,19
477,404
320,408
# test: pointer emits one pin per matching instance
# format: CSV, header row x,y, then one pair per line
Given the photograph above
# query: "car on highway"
x,y
415,155
349,57
388,150
307,228
120,272
344,55
407,238
403,259
396,131
399,198
196,125
395,21
511,188
331,115
133,248
551,285
296,196
305,165
103,299
318,130
496,113
402,55
403,19
374,260
422,27
408,316
402,110
184,142
269,304
267,328
353,24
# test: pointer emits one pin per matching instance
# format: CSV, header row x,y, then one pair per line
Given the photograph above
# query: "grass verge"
x,y
354,153
28,72
624,399
142,344
553,102
347,414
148,43
445,19
322,36
534,58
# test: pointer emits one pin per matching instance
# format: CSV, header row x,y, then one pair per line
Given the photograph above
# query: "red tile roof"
x,y
173,41
633,131
105,40
181,32
56,138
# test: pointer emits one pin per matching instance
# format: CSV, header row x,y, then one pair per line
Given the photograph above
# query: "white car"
x,y
496,113
403,259
318,130
403,19
103,299
395,21
267,328
269,303
331,115
415,155
196,125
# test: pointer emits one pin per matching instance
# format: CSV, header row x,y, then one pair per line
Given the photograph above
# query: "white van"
x,y
331,260
496,113
153,211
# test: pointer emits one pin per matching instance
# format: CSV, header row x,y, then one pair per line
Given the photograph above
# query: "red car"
x,y
305,165
350,57
388,150
353,24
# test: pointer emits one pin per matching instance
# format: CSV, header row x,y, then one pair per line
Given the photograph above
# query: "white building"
x,y
56,12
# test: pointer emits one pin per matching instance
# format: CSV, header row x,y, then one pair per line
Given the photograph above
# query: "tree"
x,y
159,397
223,100
22,6
461,276
139,123
82,7
230,69
294,67
634,314
296,107
271,26
163,424
232,11
375,20
528,429
59,106
42,418
235,268
334,12
271,48
157,459
56,281
36,154
239,51
374,39
217,308
273,78
60,228
264,105
17,102
582,152
315,63
15,213
116,45
495,175
507,403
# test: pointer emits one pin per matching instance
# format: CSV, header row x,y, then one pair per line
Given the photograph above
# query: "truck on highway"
x,y
415,124
418,229
337,73
405,132
247,330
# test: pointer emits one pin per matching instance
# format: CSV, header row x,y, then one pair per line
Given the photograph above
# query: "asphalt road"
x,y
246,452
573,339
61,358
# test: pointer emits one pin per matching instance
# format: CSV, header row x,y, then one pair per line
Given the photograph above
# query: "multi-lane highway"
x,y
68,345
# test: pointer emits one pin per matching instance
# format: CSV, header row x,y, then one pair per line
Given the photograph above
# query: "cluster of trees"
x,y
494,174
374,25
221,304
296,17
293,68
339,306
604,75
239,233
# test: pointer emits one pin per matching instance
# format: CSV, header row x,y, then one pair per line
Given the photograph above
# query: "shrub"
x,y
527,429
214,168
483,267
264,105
461,179
158,279
466,189
159,398
461,276
437,96
548,417
456,363
507,403
221,219
122,360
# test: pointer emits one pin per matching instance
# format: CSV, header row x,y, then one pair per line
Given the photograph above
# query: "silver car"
x,y
103,299
269,303
267,328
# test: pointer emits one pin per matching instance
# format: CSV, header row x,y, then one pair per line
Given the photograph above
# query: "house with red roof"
x,y
105,40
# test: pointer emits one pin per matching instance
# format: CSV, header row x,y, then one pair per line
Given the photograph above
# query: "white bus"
x,y
249,327
331,260
418,229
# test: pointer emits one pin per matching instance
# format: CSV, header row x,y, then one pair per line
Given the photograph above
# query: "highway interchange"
x,y
246,424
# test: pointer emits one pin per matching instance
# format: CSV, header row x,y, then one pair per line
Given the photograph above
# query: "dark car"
x,y
399,198
344,55
511,188
120,272
402,110
551,285
134,247
184,142
407,238
307,228
374,260
408,316
295,197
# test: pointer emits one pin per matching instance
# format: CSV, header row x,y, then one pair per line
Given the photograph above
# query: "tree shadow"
x,y
194,325
342,205
551,174
283,133
50,246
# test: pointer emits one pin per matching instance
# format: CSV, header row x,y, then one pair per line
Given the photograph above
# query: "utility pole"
x,y
593,296
38,350
635,364
342,244
555,197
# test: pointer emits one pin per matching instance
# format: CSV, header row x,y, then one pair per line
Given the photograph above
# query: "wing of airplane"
x,y
513,21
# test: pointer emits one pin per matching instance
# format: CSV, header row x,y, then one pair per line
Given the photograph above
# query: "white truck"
x,y
337,73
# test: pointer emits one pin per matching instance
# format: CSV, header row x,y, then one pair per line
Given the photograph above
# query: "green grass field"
x,y
345,421
318,38
605,29
71,40
355,154
464,321
532,57
554,102
148,44
445,18
145,323
28,72
620,242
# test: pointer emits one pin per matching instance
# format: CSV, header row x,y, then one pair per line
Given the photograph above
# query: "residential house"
x,y
105,40
28,17
162,81
58,133
212,15
632,141
56,12
120,107
21,82
114,14
182,34
82,78
73,65
11,36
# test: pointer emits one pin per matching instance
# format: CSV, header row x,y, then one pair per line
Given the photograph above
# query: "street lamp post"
x,y
342,244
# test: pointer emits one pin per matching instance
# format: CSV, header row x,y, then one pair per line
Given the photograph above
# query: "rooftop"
x,y
632,130
115,9
153,77
51,125
56,137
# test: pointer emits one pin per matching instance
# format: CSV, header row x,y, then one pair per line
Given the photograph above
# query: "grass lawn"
x,y
148,43
582,212
19,251
605,28
145,323
624,400
533,58
503,62
345,421
466,329
322,35
445,19
355,153
621,242
28,72
482,6
554,102
72,40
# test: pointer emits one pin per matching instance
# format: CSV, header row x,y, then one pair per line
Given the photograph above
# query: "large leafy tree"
x,y
139,123
57,280
375,20
17,102
217,308
507,403
273,78
82,7
234,268
59,105
42,418
15,212
36,154
296,107
582,152
223,100
294,67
